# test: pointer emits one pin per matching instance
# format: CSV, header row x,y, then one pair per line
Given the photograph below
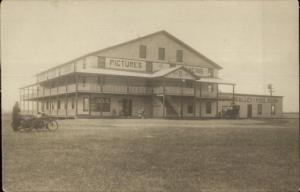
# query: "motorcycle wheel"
x,y
52,125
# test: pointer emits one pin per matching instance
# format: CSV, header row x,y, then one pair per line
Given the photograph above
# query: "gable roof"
x,y
137,39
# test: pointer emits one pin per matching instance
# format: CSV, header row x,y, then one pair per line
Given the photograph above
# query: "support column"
x,y
164,92
66,101
57,96
27,101
50,101
90,104
37,102
194,102
217,107
200,96
101,89
233,94
76,95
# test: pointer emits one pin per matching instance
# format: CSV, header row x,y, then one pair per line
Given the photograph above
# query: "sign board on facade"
x,y
199,71
125,64
250,99
180,74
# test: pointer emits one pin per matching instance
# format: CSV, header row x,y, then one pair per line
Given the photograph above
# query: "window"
x,y
172,65
161,53
190,108
100,104
210,88
143,50
73,103
179,56
272,109
259,109
47,105
58,104
99,80
149,67
101,62
52,104
211,72
83,65
83,81
85,104
208,107
189,83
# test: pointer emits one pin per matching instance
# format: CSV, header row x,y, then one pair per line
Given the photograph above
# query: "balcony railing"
x,y
113,89
174,91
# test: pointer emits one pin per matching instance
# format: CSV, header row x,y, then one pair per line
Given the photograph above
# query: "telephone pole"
x,y
271,89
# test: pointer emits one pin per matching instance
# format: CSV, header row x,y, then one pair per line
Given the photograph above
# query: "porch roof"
x,y
215,80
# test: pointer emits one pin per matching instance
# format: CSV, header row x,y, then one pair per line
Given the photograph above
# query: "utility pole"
x,y
271,89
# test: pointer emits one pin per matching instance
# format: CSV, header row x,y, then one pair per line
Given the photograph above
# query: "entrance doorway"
x,y
249,111
127,107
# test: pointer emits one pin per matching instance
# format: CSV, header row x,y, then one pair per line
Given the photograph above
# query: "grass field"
x,y
153,155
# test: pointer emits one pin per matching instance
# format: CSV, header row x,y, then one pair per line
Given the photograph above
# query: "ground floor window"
x,y
259,109
47,105
85,104
208,107
272,109
190,108
100,104
58,104
73,103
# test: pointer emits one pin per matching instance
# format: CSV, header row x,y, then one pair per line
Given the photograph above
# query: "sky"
x,y
256,42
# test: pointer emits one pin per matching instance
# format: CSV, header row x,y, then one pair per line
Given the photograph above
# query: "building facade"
x,y
156,75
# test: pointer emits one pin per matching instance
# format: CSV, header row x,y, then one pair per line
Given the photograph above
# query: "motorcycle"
x,y
27,123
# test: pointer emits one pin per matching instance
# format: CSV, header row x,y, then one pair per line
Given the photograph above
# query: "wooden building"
x,y
157,75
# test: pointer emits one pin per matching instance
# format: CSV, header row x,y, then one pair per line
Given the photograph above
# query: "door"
x,y
249,111
127,107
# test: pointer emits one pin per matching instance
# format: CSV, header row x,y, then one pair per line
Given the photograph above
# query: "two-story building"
x,y
156,74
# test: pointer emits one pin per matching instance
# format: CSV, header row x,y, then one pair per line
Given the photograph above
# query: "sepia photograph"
x,y
150,96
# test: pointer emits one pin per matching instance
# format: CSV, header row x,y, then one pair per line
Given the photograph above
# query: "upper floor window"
x,y
211,72
210,88
179,56
83,81
161,53
143,51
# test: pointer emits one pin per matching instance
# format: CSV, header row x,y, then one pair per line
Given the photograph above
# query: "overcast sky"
x,y
256,42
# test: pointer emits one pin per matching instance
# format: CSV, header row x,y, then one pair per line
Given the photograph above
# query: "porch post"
x,y
101,89
50,100
27,100
76,95
57,96
90,104
66,100
164,91
194,107
233,94
200,96
217,107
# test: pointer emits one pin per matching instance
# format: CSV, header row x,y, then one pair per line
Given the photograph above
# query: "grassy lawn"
x,y
153,155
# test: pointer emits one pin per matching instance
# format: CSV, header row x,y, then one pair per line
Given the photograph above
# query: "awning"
x,y
214,80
